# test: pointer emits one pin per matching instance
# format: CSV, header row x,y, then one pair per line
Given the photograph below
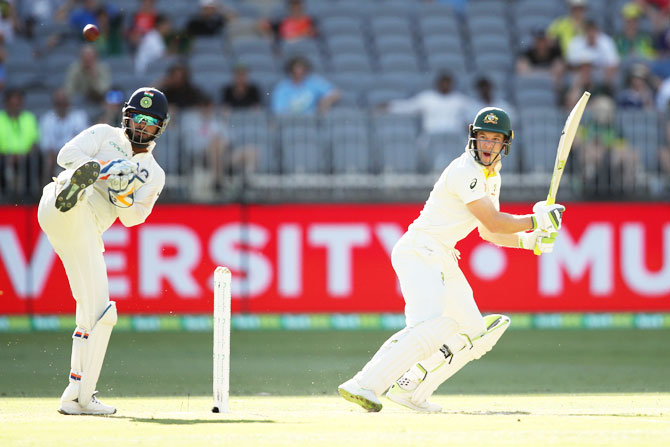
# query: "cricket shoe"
x,y
95,407
70,191
404,398
367,399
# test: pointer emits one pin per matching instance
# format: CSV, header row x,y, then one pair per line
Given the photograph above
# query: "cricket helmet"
x,y
145,101
491,119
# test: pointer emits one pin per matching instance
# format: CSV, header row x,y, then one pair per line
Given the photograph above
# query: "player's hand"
x,y
124,198
539,241
547,217
119,174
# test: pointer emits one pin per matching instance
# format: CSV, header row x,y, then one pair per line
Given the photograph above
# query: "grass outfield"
x,y
537,387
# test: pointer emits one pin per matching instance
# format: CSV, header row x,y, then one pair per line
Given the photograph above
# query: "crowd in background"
x,y
629,69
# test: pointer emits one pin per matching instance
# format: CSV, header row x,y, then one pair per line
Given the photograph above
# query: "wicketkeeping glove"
x,y
542,240
119,173
547,217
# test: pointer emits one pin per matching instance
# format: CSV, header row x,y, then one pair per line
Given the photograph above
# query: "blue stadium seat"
x,y
643,131
346,43
348,138
207,45
301,148
350,63
394,43
539,132
398,62
395,138
378,96
252,129
441,149
390,25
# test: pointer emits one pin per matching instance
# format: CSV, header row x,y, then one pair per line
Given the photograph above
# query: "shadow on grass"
x,y
173,421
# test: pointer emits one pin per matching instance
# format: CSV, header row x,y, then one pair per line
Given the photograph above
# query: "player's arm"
x,y
500,239
81,148
144,199
497,222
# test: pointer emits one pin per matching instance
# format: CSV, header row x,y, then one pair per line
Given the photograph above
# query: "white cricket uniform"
x,y
425,258
76,235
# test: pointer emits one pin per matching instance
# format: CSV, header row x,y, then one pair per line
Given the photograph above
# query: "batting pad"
x,y
496,325
93,353
397,354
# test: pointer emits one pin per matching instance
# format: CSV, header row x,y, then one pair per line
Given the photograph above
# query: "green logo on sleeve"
x,y
473,183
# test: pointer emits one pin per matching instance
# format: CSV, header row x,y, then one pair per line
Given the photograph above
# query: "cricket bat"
x,y
564,146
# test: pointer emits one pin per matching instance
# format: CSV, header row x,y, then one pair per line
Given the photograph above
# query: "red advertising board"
x,y
336,258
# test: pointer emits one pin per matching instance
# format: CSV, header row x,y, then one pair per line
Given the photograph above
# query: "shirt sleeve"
x,y
467,183
145,198
83,147
410,105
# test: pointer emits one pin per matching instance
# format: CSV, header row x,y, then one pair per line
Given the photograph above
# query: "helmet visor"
x,y
148,119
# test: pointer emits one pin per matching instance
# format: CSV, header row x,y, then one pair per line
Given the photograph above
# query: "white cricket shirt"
x,y
104,143
445,215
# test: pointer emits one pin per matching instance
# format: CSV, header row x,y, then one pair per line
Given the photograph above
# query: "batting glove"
x,y
540,241
547,217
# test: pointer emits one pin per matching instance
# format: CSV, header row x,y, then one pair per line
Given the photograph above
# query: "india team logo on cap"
x,y
146,102
491,118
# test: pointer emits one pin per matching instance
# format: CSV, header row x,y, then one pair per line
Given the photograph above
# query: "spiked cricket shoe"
x,y
404,398
95,407
82,177
367,399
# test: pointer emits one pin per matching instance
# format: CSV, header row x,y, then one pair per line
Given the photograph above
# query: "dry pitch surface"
x,y
511,420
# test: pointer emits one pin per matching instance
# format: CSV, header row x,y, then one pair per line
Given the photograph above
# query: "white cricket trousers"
x,y
76,239
433,285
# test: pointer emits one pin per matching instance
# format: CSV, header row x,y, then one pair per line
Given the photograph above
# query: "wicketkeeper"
x,y
444,328
109,172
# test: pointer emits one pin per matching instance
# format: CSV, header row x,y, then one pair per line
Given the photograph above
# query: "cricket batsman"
x,y
109,172
444,328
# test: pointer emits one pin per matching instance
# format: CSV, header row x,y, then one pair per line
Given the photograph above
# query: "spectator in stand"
x,y
563,29
241,93
178,88
632,42
487,96
542,57
153,45
209,148
599,48
607,162
210,20
58,126
301,92
583,79
442,109
110,41
87,77
638,93
143,21
19,136
295,26
663,97
9,21
78,16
